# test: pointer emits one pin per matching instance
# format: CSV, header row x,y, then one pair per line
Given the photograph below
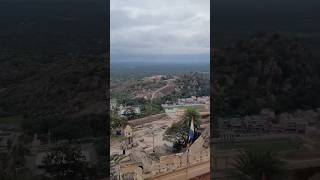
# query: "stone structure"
x,y
198,153
128,133
180,112
124,109
149,119
130,171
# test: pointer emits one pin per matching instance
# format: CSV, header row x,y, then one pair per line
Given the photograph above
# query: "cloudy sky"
x,y
152,29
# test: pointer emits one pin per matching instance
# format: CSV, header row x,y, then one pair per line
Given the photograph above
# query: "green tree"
x,y
178,132
117,122
65,162
267,70
189,114
130,113
151,108
253,164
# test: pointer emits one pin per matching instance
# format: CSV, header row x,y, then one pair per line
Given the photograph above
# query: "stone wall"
x,y
141,121
198,152
176,161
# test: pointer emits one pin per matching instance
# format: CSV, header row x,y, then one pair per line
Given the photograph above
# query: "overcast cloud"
x,y
147,28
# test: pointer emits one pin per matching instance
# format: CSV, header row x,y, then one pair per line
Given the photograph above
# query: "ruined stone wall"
x,y
173,162
142,121
130,171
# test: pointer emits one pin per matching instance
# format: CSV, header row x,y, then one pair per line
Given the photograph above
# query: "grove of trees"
x,y
178,132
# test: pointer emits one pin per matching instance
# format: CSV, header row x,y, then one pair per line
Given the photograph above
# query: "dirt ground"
x,y
148,135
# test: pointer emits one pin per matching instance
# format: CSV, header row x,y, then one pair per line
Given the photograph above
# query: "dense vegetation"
x,y
268,70
67,163
55,96
147,107
177,133
186,85
52,76
252,164
193,84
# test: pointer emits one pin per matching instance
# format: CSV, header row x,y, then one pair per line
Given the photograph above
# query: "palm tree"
x,y
258,165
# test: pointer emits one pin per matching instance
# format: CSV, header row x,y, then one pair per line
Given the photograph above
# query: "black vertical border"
x,y
107,64
211,91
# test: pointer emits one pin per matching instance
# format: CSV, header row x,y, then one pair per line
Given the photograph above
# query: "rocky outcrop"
x,y
139,156
202,143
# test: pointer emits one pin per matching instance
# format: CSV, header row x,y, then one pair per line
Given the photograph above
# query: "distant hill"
x,y
184,85
140,69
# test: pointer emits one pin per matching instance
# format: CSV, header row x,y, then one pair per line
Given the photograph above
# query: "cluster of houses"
x,y
156,78
122,111
179,107
194,100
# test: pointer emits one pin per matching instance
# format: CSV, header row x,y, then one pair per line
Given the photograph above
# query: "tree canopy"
x,y
178,132
254,164
66,162
267,70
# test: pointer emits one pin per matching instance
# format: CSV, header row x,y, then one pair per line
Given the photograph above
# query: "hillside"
x,y
48,93
186,85
268,70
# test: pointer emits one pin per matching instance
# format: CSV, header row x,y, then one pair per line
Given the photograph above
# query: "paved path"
x,y
170,83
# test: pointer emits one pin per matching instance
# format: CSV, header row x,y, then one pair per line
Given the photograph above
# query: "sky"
x,y
159,30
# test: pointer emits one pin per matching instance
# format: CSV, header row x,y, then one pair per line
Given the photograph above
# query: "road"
x,y
194,170
170,83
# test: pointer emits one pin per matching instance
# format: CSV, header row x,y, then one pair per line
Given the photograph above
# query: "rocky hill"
x,y
186,85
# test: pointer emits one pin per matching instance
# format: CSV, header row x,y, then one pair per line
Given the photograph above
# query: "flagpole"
x,y
188,145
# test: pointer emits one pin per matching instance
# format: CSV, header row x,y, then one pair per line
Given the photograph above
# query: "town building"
x,y
128,109
128,133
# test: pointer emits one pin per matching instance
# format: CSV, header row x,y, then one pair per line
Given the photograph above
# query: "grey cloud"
x,y
151,27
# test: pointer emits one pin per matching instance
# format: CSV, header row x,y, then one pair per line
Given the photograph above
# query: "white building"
x,y
124,109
